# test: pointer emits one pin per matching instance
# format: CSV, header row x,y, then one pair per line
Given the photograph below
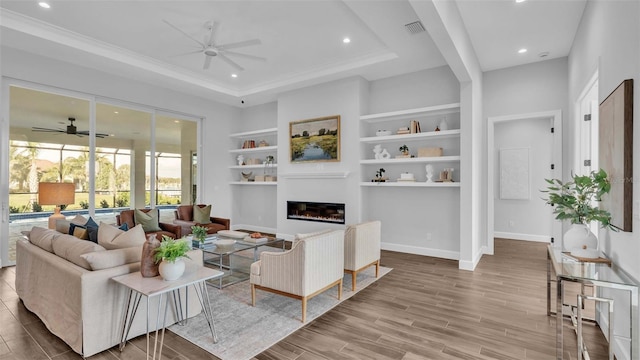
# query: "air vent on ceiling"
x,y
415,27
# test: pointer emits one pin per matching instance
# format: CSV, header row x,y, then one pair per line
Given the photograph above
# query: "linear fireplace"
x,y
315,211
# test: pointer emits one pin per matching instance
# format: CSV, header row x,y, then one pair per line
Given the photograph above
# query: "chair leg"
x,y
253,295
354,275
377,268
340,290
304,309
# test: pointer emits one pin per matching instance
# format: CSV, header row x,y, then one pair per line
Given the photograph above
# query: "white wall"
x,y
608,40
531,88
215,129
414,90
342,97
524,219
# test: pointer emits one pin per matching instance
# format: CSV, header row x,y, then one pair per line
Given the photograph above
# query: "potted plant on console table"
x,y
574,201
171,252
199,235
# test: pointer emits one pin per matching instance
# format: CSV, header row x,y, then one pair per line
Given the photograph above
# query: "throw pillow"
x,y
124,227
43,238
202,215
91,223
99,260
71,249
78,220
148,220
81,233
110,237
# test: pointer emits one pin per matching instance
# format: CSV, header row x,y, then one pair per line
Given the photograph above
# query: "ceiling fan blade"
x,y
213,28
247,56
39,129
86,133
239,44
207,62
184,33
187,53
230,62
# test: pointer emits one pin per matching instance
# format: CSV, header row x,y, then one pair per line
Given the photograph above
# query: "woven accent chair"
x,y
361,249
313,265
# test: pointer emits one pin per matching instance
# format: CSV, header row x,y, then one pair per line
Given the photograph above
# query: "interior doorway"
x,y
537,157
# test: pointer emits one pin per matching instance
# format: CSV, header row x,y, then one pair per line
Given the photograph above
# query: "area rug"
x,y
245,331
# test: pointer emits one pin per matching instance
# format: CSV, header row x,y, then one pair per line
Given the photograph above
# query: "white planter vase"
x,y
578,237
171,270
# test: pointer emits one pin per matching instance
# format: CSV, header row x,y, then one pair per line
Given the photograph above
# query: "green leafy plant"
x,y
84,204
171,249
574,200
199,232
380,175
404,149
104,204
36,207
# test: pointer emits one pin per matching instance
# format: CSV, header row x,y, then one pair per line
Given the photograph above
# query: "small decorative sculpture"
x,y
380,176
240,159
246,176
429,169
443,124
380,153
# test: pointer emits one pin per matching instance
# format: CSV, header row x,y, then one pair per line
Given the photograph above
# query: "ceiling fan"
x,y
71,130
211,49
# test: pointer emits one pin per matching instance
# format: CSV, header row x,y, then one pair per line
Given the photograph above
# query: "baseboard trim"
x,y
471,265
417,250
519,236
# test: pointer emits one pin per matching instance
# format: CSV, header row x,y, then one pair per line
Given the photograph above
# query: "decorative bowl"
x,y
225,243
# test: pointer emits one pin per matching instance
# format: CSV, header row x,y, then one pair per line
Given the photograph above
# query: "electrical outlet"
x,y
512,223
428,236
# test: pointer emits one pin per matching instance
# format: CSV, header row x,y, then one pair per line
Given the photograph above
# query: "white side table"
x,y
139,286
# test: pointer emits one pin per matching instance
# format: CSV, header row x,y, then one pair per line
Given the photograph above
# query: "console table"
x,y
589,273
139,286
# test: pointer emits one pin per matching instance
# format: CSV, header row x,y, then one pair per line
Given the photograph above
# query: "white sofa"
x,y
314,264
83,307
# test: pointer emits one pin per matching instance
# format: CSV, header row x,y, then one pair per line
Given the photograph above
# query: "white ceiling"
x,y
301,40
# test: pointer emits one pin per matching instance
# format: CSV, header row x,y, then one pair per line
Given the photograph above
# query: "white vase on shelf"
x,y
171,270
580,241
443,124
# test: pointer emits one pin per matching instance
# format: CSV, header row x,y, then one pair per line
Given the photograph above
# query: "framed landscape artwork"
x,y
315,139
616,153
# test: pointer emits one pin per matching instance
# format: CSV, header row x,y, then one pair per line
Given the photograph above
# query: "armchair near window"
x,y
128,217
361,249
313,265
185,219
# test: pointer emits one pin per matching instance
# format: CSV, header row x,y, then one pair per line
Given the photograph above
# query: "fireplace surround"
x,y
316,211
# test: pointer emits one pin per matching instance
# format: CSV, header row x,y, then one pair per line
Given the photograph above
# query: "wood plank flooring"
x,y
424,309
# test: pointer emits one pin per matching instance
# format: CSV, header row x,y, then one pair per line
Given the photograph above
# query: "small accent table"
x,y
602,275
139,286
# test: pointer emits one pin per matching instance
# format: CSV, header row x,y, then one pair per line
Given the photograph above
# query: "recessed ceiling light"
x,y
176,121
346,40
522,51
44,4
115,112
234,75
544,54
112,134
519,1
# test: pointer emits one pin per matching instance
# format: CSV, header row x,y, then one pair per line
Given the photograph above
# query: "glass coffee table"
x,y
233,260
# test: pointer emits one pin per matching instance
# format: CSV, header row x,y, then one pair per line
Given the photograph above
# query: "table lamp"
x,y
50,193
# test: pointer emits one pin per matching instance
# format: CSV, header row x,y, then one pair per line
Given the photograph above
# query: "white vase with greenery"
x,y
577,201
171,253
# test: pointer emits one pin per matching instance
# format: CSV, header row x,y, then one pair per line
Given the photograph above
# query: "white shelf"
x,y
260,166
432,135
246,134
254,183
412,113
316,175
415,160
254,150
410,184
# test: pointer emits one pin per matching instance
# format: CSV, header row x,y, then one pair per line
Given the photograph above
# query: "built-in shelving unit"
x,y
258,153
430,119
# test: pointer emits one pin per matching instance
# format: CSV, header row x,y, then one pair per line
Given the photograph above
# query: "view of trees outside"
x,y
31,163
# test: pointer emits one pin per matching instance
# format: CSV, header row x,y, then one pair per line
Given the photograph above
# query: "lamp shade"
x,y
50,193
